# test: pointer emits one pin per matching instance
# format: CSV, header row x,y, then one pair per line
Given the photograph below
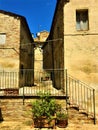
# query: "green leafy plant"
x,y
44,106
62,119
61,115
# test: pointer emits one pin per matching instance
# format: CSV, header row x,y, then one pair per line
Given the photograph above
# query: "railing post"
x,y
94,106
66,83
23,85
66,90
23,95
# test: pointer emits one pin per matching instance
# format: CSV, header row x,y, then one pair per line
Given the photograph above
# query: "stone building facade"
x,y
74,40
16,44
38,53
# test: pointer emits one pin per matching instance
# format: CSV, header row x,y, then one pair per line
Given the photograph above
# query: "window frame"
x,y
82,20
2,38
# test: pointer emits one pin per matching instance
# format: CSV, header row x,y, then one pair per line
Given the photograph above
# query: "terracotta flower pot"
x,y
62,123
43,122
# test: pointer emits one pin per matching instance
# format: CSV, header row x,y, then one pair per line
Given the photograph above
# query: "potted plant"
x,y
47,77
62,119
43,110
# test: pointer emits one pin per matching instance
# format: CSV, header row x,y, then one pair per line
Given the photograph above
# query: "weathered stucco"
x,y
81,47
78,51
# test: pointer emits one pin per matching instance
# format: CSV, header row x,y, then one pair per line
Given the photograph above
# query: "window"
x,y
82,20
2,38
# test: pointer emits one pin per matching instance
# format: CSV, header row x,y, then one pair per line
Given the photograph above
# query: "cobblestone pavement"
x,y
17,117
76,122
15,125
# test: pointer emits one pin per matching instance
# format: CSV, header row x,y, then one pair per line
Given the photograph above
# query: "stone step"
x,y
76,116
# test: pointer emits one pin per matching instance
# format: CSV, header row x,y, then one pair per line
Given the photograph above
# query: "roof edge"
x,y
21,18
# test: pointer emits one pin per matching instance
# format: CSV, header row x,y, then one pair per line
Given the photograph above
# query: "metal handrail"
x,y
77,92
81,96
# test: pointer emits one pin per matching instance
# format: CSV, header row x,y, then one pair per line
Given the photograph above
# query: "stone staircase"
x,y
77,117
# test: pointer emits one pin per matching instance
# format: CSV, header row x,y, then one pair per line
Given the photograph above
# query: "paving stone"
x,y
19,117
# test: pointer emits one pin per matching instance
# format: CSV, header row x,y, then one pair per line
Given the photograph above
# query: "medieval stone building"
x,y
38,54
73,41
16,45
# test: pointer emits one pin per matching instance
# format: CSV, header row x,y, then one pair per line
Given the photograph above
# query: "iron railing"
x,y
57,82
28,82
81,96
9,79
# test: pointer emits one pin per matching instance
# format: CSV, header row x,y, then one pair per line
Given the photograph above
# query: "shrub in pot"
x,y
62,119
44,110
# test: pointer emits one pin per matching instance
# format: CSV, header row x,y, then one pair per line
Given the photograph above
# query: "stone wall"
x,y
17,32
10,26
78,51
13,109
38,54
27,48
18,50
39,41
53,51
81,47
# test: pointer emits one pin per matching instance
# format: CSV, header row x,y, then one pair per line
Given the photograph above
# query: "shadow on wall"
x,y
1,117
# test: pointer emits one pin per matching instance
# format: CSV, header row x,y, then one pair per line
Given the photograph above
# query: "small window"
x,y
2,38
82,20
